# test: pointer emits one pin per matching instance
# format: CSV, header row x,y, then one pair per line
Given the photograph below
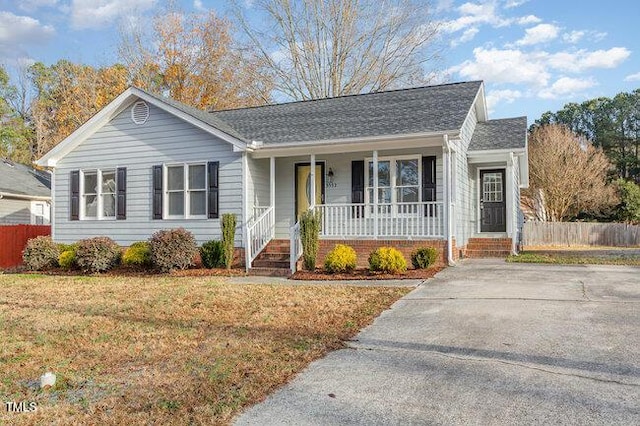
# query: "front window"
x,y
186,189
398,182
99,194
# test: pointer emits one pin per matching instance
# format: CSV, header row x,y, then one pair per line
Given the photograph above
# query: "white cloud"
x,y
566,86
504,66
443,5
99,13
33,5
541,33
197,5
508,96
466,36
473,14
633,77
16,32
582,60
514,3
573,37
529,20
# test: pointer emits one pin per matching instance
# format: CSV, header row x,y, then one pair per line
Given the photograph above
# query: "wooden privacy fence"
x,y
13,239
580,234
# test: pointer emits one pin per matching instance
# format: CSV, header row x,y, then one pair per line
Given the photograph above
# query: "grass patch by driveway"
x,y
576,258
140,350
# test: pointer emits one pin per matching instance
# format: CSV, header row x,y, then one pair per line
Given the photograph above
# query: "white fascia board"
x,y
334,146
475,157
24,196
483,105
126,98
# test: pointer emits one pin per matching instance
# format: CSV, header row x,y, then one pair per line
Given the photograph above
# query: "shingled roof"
x,y
506,133
19,179
417,110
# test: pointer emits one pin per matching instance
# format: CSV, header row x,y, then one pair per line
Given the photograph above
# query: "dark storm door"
x,y
493,208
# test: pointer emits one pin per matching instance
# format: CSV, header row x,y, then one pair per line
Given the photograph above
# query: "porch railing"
x,y
398,220
295,246
257,212
260,232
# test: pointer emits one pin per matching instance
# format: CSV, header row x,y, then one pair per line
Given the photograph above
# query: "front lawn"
x,y
157,350
575,258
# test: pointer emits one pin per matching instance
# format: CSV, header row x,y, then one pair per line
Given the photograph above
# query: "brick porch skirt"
x,y
364,247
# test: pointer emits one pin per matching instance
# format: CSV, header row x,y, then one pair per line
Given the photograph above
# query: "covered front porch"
x,y
409,181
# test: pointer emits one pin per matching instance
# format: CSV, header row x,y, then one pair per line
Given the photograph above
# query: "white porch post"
x,y
312,177
511,203
272,181
446,160
375,194
245,211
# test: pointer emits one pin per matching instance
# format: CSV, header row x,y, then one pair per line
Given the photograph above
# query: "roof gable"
x,y
430,109
192,115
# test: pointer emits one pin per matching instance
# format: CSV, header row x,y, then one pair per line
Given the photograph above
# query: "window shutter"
x,y
357,186
429,183
213,193
121,193
74,183
157,192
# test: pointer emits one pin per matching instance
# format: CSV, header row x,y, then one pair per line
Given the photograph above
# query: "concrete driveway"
x,y
483,343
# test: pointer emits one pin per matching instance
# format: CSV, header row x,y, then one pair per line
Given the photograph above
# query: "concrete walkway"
x,y
483,343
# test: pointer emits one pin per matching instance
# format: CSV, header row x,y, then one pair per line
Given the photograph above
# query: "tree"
x,y
15,134
323,48
568,175
613,124
192,58
629,208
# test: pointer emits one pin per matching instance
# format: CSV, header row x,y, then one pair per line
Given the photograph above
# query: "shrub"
x,y
228,237
137,254
97,254
62,247
212,254
629,208
172,249
40,253
67,259
387,259
424,257
341,258
310,236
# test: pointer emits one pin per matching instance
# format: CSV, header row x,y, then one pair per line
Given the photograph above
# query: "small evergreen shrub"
x,y
62,247
387,259
172,249
67,259
137,254
40,253
212,254
341,258
229,223
424,257
97,254
310,237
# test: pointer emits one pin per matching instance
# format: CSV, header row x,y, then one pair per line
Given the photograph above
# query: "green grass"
x,y
569,259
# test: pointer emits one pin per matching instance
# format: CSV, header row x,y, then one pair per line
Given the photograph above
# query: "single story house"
x,y
411,167
25,194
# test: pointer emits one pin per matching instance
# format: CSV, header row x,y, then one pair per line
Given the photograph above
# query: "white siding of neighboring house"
x,y
464,181
164,138
341,191
15,211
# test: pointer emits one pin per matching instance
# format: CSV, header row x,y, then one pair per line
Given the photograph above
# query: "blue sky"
x,y
534,55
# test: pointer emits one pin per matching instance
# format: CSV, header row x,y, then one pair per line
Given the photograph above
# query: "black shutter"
x,y
157,192
429,183
74,183
357,187
213,192
121,193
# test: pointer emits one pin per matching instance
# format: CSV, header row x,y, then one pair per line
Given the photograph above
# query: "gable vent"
x,y
140,112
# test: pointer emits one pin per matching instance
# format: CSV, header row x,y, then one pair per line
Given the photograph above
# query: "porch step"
x,y
488,247
270,272
266,263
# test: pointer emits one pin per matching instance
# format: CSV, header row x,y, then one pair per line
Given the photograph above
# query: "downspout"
x,y
447,192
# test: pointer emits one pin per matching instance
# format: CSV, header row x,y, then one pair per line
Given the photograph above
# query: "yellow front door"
x,y
303,187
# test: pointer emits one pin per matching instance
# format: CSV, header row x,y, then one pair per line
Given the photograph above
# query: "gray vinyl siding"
x,y
464,209
15,211
164,138
258,177
341,192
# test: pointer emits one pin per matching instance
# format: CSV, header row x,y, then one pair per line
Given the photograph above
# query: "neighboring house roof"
x,y
507,133
23,181
427,109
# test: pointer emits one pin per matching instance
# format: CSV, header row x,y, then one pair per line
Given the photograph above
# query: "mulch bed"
x,y
365,274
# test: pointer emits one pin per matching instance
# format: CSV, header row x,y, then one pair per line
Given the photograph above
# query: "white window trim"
x,y
393,176
99,193
185,190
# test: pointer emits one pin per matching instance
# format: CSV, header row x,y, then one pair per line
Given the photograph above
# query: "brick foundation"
x,y
364,247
